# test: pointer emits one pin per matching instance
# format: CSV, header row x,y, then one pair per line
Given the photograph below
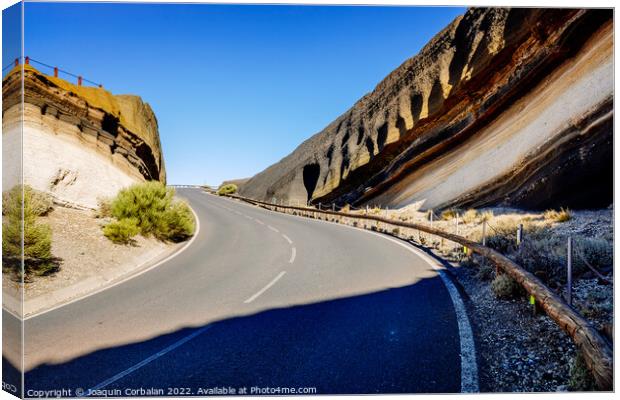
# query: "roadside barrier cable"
x,y
63,71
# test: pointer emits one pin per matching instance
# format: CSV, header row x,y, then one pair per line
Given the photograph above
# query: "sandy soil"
x,y
89,259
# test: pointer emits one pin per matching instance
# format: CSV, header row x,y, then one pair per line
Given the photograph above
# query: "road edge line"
x,y
469,365
123,279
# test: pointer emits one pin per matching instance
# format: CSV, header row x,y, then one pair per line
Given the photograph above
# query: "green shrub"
x,y
505,287
177,223
229,188
37,237
156,212
581,378
40,203
563,215
122,231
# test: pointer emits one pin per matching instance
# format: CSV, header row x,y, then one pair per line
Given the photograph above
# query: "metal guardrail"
x,y
596,350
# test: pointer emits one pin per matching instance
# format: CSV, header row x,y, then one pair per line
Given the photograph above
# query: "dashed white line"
x,y
287,239
259,221
293,254
248,217
263,290
272,228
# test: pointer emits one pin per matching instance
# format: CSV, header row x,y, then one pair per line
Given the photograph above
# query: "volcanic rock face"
x,y
504,106
80,144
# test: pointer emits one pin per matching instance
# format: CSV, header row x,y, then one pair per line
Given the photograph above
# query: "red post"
x,y
16,62
79,81
55,72
27,60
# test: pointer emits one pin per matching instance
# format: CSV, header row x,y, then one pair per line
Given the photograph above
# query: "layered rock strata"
x,y
503,107
79,143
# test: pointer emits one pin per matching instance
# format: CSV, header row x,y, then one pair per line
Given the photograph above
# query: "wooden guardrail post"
x,y
569,271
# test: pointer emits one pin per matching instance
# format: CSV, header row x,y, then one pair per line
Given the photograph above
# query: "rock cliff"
x,y
502,107
79,143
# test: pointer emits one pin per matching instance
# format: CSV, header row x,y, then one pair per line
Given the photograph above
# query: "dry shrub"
x,y
581,378
470,216
504,287
449,214
562,215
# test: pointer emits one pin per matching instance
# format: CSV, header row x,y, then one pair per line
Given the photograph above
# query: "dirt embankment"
x,y
87,260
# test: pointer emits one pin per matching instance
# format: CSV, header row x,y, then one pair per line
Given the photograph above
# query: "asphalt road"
x,y
258,300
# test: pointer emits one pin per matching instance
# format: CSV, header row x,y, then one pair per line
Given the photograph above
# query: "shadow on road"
x,y
399,340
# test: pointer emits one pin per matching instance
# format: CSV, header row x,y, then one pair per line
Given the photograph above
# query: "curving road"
x,y
258,300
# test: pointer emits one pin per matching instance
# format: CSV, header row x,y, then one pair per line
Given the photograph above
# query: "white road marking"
x,y
125,279
272,228
287,239
259,221
293,254
248,217
238,213
469,366
263,290
150,359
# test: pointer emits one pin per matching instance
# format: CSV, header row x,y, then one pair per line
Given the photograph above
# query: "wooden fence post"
x,y
569,271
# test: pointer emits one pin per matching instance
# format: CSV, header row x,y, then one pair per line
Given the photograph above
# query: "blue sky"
x,y
234,88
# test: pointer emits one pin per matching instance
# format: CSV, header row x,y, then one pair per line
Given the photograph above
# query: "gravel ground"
x,y
517,350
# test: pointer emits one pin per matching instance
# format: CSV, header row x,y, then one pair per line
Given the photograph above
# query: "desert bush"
x,y
595,251
375,210
396,231
504,287
544,251
450,214
122,231
104,208
229,188
486,216
37,237
40,203
581,378
155,210
470,216
563,215
485,272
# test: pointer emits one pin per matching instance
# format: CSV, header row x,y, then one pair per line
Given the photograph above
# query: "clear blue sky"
x,y
234,88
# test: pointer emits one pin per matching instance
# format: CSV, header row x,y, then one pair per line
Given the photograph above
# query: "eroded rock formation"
x,y
80,143
504,106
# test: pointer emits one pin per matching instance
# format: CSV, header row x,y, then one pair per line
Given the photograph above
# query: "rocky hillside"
x,y
504,106
79,143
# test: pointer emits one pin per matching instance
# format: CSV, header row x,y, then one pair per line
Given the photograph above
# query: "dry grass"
x,y
470,216
563,215
448,215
